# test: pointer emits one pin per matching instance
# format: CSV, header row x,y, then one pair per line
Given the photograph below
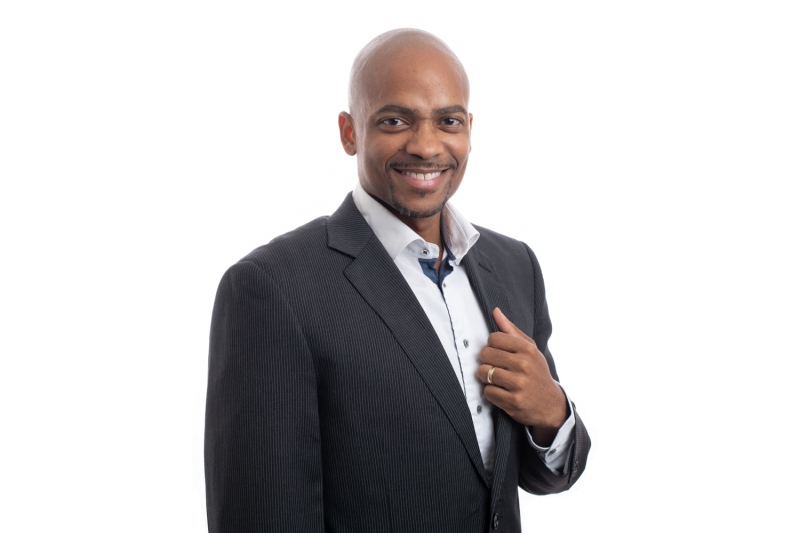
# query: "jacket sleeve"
x,y
263,464
534,476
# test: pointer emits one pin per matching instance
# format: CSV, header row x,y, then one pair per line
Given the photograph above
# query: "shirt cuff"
x,y
555,456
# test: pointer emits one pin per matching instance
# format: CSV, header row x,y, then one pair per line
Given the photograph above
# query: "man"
x,y
386,368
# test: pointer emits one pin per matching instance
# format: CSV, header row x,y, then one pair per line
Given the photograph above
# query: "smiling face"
x,y
410,129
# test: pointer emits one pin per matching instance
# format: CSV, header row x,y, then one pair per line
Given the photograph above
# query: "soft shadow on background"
x,y
648,153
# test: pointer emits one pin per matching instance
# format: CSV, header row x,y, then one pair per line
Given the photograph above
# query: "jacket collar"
x,y
348,232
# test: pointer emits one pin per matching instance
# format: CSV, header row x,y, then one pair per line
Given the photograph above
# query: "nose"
x,y
424,141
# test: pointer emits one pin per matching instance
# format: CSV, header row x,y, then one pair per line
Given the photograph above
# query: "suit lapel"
x,y
487,287
375,276
482,275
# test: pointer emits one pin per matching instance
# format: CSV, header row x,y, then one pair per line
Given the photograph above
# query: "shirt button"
x,y
466,343
480,409
424,252
444,285
495,521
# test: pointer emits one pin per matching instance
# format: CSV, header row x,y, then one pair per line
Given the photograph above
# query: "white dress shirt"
x,y
455,314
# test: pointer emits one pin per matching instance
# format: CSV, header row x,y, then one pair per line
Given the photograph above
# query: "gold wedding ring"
x,y
489,375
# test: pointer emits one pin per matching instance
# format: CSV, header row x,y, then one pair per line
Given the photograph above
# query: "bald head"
x,y
409,124
402,47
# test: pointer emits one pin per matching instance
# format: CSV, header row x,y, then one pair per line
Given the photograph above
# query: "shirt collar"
x,y
458,234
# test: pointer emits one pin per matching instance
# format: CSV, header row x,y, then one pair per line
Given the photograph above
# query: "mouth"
x,y
422,175
422,178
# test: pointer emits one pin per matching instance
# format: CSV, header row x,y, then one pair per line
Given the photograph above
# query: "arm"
x,y
554,447
534,476
522,380
523,386
262,439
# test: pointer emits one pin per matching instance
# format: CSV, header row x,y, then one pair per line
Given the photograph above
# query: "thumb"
x,y
506,326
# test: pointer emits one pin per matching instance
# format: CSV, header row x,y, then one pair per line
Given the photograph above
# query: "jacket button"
x,y
495,521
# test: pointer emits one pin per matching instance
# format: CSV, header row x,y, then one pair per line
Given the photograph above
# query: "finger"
x,y
496,357
506,326
513,354
509,343
498,396
501,377
483,374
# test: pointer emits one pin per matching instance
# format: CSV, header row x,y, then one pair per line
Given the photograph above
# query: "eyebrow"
x,y
450,110
392,108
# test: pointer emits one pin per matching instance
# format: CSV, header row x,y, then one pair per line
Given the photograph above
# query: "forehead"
x,y
420,78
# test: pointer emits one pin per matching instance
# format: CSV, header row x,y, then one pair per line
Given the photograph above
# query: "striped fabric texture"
x,y
332,406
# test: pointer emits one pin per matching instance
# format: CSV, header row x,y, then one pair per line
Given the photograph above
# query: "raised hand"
x,y
521,384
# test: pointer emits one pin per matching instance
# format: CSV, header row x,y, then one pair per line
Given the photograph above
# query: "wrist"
x,y
543,437
560,411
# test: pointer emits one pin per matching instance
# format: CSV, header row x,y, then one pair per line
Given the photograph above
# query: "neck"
x,y
428,228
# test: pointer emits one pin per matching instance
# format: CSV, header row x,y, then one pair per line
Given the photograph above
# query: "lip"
x,y
422,184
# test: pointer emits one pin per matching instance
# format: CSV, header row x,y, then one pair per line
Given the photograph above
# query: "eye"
x,y
392,121
451,122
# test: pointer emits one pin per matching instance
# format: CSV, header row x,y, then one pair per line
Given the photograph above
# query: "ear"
x,y
347,133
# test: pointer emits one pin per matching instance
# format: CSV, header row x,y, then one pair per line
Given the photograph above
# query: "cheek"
x,y
376,164
375,153
460,149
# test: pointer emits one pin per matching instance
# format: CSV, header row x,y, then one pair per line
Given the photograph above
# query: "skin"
x,y
520,368
409,112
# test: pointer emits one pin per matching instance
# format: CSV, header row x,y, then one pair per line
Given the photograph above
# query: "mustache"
x,y
422,166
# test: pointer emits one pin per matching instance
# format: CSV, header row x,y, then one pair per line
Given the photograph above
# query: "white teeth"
x,y
421,176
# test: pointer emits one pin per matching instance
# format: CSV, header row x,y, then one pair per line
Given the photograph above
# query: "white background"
x,y
647,151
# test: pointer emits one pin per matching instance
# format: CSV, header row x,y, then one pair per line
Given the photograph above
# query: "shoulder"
x,y
296,263
515,266
284,254
310,258
289,249
504,250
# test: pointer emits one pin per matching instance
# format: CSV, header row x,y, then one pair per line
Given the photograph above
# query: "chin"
x,y
413,213
427,204
419,209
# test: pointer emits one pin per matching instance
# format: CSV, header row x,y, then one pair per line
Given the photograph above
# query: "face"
x,y
411,132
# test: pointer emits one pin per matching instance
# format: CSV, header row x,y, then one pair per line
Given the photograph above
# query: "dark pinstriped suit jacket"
x,y
332,405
